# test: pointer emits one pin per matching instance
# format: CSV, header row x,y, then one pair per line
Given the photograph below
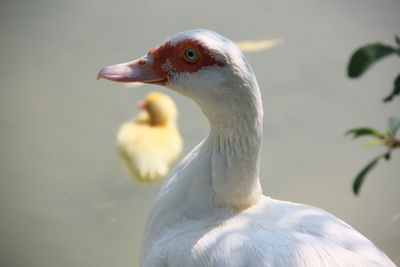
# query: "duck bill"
x,y
141,104
140,70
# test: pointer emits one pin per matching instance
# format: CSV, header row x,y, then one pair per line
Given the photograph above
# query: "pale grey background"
x,y
64,198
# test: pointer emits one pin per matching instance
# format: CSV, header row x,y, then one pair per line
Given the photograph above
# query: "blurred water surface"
x,y
64,198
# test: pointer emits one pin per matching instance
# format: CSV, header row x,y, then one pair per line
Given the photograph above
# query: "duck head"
x,y
199,64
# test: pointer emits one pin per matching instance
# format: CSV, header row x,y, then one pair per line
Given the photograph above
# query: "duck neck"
x,y
221,172
235,145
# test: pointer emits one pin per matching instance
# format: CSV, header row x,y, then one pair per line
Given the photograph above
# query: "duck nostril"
x,y
142,62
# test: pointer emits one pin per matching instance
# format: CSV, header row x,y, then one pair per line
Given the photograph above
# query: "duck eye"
x,y
191,55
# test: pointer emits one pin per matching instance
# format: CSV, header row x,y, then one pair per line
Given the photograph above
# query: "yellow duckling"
x,y
150,144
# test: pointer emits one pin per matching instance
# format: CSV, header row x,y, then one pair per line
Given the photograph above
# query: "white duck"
x,y
150,144
211,211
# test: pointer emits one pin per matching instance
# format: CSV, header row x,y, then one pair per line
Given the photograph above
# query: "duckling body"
x,y
150,144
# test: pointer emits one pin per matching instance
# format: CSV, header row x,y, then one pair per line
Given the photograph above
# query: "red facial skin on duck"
x,y
169,59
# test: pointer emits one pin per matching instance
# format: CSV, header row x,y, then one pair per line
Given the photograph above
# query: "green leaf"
x,y
375,142
363,173
396,90
365,56
357,132
394,124
397,39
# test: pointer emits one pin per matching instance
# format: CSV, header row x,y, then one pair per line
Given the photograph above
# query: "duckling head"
x,y
161,109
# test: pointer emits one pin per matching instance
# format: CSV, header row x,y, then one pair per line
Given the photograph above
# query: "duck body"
x,y
194,232
150,144
271,233
211,210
